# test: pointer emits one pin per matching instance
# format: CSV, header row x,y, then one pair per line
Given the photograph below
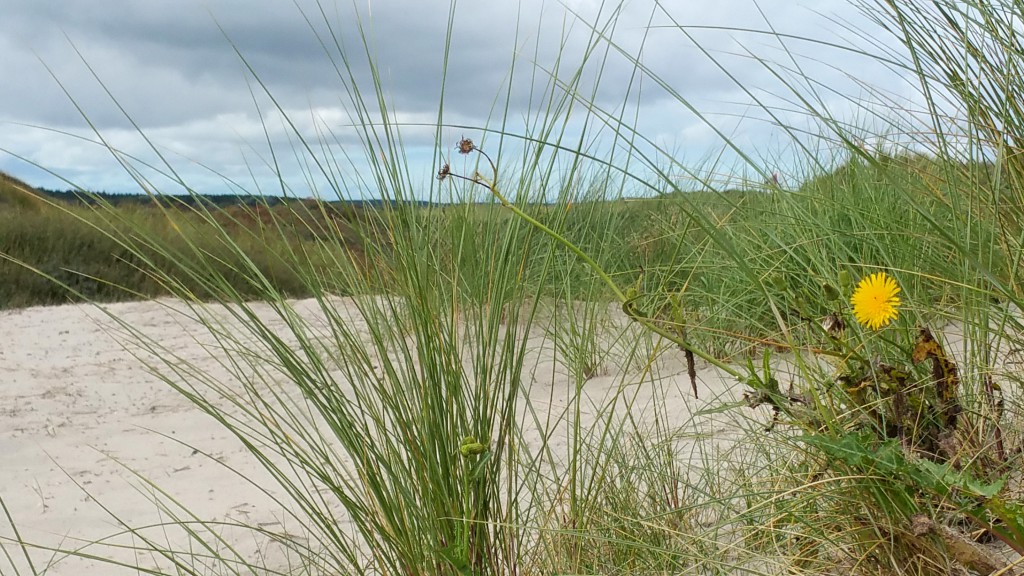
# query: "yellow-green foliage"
x,y
87,250
15,194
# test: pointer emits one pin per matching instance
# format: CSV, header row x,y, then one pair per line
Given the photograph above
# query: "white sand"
x,y
72,400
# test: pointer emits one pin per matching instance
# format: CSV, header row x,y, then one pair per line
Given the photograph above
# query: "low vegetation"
x,y
62,247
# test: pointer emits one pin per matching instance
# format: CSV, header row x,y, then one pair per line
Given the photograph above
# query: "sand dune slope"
x,y
78,414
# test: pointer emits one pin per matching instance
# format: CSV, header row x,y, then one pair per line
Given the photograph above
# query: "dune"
x,y
84,425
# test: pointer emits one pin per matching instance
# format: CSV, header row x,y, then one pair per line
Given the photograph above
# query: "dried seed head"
x,y
833,324
466,146
444,171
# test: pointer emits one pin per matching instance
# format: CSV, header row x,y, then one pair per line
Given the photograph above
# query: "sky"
x,y
224,95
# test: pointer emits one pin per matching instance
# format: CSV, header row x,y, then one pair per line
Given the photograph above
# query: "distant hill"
x,y
17,194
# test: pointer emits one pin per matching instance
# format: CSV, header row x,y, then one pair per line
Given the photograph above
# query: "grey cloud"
x,y
175,72
166,55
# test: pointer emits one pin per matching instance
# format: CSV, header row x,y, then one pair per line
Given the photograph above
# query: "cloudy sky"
x,y
145,74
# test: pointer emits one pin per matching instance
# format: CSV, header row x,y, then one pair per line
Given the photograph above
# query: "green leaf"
x,y
861,452
945,477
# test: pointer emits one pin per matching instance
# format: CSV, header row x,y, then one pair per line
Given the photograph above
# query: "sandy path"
x,y
72,400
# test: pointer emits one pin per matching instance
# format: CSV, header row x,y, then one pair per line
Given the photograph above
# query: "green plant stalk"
x,y
601,273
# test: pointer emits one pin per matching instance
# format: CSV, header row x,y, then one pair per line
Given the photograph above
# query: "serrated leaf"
x,y
962,480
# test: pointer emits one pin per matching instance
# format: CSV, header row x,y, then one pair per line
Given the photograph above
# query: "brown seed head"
x,y
444,171
466,146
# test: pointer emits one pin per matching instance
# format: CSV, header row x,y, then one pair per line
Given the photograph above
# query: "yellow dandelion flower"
x,y
875,303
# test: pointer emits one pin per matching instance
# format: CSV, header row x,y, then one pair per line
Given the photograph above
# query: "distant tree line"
x,y
208,200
